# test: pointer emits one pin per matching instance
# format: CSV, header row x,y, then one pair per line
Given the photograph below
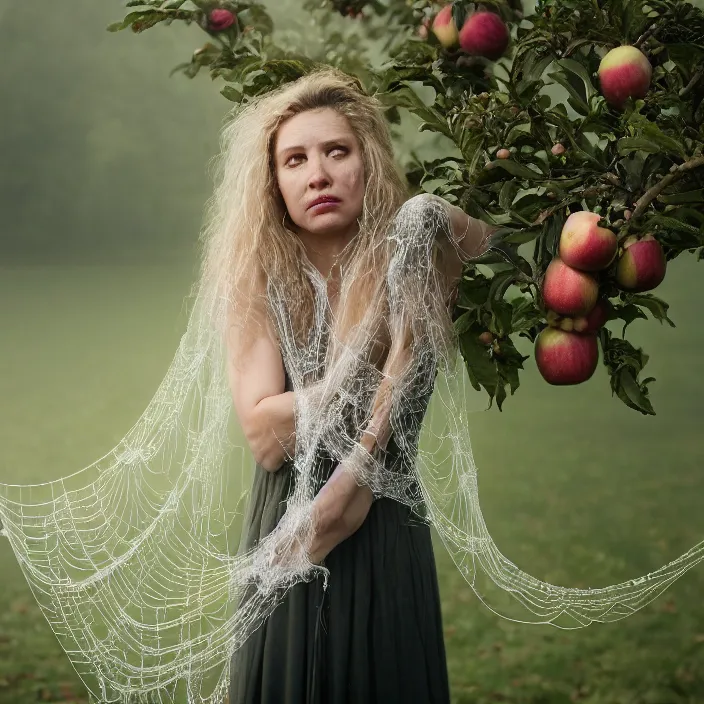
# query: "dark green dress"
x,y
374,636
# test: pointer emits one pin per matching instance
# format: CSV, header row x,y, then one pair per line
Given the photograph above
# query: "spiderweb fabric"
x,y
135,560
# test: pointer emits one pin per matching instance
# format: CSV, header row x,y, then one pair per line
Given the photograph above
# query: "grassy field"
x,y
576,489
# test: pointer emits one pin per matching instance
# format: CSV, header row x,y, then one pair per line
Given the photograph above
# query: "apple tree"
x,y
575,128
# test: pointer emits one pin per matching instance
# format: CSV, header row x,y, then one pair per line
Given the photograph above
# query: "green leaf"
x,y
695,196
508,363
405,97
674,224
648,137
508,193
625,363
472,292
516,169
633,394
581,72
626,145
499,285
655,305
232,94
629,313
481,368
578,102
523,236
465,321
501,313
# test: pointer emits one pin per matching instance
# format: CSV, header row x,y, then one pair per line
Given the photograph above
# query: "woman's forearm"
x,y
273,434
343,504
339,509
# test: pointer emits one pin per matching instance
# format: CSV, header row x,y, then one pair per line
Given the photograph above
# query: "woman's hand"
x,y
337,512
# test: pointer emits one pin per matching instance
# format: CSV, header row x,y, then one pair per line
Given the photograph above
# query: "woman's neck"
x,y
325,253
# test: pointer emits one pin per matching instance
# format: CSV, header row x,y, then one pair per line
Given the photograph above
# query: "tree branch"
x,y
694,80
675,173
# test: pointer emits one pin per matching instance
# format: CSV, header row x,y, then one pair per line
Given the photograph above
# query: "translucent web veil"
x,y
136,560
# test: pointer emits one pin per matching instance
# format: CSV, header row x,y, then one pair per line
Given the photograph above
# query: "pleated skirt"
x,y
374,636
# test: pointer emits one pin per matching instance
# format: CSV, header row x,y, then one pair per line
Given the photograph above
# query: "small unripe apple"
x,y
569,291
624,72
567,324
584,245
566,357
642,265
486,338
444,27
627,214
484,34
558,149
595,319
220,19
503,154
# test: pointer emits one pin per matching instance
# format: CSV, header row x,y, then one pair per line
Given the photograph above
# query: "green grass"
x,y
576,489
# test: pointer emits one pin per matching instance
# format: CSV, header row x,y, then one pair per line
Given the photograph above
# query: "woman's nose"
x,y
319,175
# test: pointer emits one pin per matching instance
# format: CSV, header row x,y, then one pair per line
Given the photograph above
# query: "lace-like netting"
x,y
135,559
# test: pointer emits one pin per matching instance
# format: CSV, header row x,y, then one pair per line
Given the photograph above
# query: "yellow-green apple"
x,y
624,72
584,245
565,357
595,319
484,34
568,291
444,27
642,264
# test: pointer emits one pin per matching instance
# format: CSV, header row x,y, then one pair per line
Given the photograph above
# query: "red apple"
x,y
484,34
444,27
568,291
584,245
565,357
624,72
220,19
642,265
595,319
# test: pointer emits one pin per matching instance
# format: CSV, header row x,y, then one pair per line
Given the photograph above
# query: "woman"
x,y
375,633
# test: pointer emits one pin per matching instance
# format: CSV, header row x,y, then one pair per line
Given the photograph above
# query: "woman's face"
x,y
317,154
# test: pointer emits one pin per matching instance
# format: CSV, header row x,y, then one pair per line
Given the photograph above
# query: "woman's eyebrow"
x,y
328,143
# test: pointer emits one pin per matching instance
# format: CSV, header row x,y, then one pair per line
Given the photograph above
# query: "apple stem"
x,y
652,193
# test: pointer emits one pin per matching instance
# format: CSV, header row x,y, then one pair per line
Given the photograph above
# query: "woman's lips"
x,y
325,205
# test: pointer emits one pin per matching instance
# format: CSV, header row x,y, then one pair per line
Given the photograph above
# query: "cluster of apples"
x,y
483,33
566,351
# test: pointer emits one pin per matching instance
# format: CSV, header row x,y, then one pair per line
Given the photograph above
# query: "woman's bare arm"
x,y
342,504
265,410
472,236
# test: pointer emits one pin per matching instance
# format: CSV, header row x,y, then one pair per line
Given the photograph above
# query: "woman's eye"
x,y
301,156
